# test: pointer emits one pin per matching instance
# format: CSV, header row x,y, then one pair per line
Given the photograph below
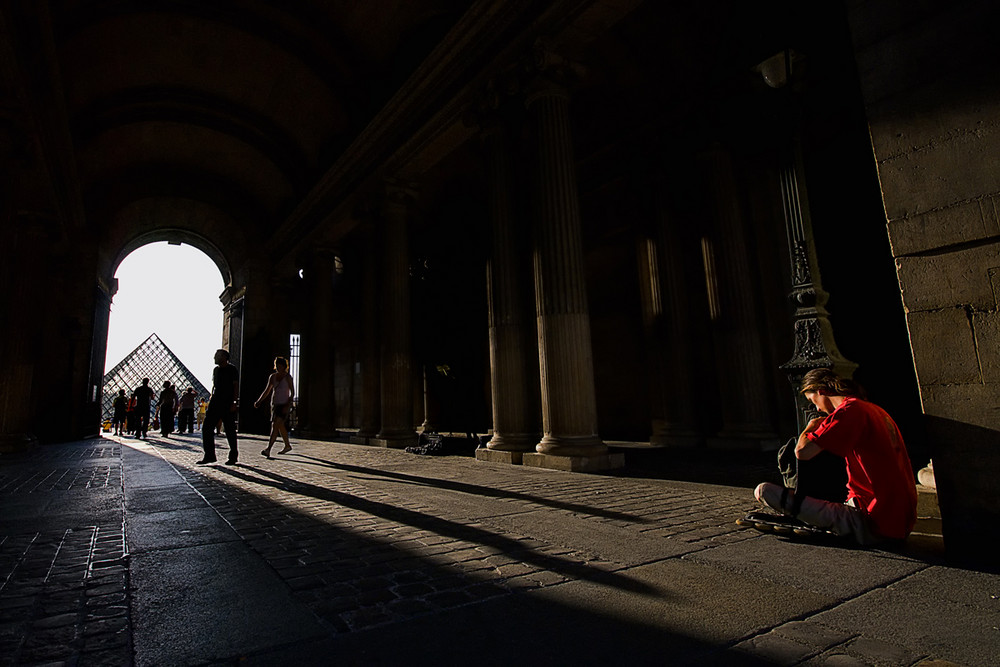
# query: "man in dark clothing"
x,y
165,409
222,405
143,396
185,417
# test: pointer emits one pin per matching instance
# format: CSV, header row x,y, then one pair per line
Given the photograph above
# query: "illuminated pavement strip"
x,y
368,538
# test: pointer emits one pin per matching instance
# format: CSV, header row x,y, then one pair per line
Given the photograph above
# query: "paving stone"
x,y
61,620
812,634
880,651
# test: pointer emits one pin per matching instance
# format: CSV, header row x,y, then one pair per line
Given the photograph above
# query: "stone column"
x,y
514,391
370,366
663,294
569,407
396,375
745,404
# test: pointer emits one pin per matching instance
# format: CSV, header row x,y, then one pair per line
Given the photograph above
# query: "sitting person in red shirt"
x,y
881,491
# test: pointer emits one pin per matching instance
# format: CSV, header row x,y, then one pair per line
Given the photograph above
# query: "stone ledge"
x,y
499,456
574,463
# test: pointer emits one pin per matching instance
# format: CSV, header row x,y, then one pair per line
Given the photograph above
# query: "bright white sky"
x,y
172,291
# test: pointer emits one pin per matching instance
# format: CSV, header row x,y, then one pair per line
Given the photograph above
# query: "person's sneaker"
x,y
204,461
230,462
286,449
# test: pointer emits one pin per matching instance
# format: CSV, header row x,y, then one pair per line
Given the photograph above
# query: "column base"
x,y
587,446
358,439
499,456
574,463
14,443
516,442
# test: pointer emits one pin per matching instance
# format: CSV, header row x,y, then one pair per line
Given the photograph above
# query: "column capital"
x,y
551,73
491,109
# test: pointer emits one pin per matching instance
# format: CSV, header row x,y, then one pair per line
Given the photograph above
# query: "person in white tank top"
x,y
282,391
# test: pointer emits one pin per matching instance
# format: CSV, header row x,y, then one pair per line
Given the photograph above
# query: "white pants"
x,y
842,519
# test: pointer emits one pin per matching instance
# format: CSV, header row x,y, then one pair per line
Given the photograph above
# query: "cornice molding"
x,y
427,113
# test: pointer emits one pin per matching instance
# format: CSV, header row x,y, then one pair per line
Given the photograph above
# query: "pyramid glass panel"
x,y
153,360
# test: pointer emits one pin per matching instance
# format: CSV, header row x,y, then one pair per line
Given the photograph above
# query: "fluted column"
x,y
370,366
396,363
569,405
515,396
745,406
663,294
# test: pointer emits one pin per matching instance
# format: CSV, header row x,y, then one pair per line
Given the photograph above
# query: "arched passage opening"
x,y
171,290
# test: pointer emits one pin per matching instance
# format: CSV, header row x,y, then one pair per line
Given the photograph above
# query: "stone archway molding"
x,y
176,220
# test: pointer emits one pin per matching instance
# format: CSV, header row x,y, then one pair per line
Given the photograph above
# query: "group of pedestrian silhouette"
x,y
134,415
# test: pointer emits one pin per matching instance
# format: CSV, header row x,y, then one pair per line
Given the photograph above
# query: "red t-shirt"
x,y
879,473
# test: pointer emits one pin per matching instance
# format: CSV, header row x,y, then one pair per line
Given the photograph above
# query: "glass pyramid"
x,y
153,360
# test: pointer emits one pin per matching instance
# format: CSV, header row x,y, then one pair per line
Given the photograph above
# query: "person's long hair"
x,y
828,383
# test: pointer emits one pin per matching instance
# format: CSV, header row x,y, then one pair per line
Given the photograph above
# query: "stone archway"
x,y
176,221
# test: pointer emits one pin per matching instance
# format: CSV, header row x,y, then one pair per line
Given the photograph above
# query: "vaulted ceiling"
x,y
239,104
271,113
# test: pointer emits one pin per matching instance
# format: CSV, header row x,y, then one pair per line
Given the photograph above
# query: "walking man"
x,y
222,406
143,395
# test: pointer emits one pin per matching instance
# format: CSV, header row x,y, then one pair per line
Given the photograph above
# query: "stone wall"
x,y
928,74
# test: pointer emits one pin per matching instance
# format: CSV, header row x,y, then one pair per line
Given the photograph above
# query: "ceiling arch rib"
x,y
187,107
298,29
117,191
219,62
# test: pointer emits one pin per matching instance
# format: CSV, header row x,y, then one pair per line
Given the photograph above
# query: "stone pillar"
x,y
370,366
396,364
98,352
569,407
514,391
22,294
745,405
232,299
663,294
318,348
938,175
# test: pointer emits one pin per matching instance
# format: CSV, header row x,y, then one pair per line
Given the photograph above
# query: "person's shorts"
x,y
279,412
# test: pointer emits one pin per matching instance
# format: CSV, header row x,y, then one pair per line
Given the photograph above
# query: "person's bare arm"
x,y
267,391
805,448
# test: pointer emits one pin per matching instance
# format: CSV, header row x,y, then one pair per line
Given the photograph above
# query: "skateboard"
x,y
779,524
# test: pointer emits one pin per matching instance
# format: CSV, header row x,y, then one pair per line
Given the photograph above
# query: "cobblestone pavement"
x,y
361,556
63,586
370,539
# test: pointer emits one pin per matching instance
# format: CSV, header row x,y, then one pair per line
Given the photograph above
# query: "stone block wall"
x,y
928,75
